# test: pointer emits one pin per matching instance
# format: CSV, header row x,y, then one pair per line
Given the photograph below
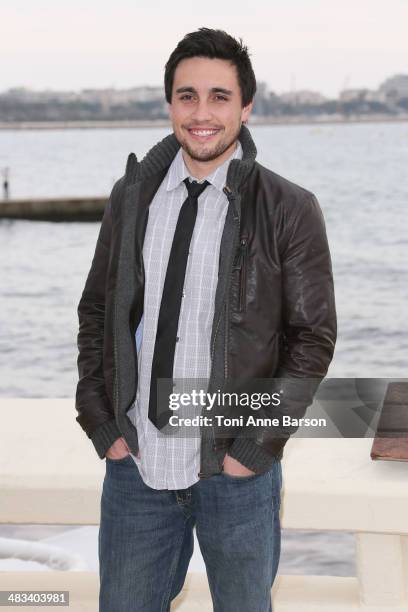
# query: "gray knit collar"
x,y
160,156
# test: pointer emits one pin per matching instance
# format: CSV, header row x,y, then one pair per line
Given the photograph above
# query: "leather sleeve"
x,y
95,412
308,309
309,326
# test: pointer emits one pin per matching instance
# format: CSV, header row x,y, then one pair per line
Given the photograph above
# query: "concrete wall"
x,y
50,473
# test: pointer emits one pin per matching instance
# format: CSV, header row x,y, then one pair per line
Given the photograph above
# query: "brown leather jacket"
x,y
274,306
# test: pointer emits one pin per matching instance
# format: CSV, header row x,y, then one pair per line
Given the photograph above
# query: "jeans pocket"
x,y
127,457
233,477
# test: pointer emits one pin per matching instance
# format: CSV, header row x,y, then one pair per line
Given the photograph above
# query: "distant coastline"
x,y
261,121
146,107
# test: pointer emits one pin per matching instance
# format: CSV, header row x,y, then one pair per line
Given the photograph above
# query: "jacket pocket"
x,y
240,264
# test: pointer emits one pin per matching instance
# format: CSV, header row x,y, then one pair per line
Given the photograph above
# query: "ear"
x,y
246,111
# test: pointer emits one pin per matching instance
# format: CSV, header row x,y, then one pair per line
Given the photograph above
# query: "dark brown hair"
x,y
214,44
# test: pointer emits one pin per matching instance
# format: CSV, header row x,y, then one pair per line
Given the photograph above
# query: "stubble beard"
x,y
209,154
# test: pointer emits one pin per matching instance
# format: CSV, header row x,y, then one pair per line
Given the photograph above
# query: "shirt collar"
x,y
178,171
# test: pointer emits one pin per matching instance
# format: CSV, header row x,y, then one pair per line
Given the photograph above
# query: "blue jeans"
x,y
146,539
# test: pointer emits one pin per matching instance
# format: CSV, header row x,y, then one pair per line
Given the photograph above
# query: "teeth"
x,y
204,132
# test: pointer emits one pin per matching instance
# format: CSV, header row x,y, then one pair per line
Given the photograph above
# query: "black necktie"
x,y
167,326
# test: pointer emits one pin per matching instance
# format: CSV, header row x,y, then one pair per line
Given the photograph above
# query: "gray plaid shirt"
x,y
173,462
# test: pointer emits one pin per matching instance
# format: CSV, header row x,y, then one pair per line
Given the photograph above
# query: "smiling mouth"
x,y
203,133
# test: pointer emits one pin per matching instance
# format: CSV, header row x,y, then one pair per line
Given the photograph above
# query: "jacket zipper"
x,y
241,265
231,198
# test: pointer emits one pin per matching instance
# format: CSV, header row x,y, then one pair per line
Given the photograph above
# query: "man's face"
x,y
205,108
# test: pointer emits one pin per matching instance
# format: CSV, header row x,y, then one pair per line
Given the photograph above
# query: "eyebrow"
x,y
227,92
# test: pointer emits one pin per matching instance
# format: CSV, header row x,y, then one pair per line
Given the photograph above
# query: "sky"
x,y
320,45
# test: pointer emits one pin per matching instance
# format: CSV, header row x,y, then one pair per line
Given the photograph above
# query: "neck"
x,y
201,169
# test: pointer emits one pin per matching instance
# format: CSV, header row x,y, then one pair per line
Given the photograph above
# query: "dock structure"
x,y
51,474
54,209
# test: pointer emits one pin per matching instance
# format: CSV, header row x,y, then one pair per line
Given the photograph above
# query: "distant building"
x,y
303,96
261,99
146,94
122,96
24,94
395,88
361,95
352,95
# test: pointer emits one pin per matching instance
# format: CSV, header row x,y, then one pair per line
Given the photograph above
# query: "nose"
x,y
201,112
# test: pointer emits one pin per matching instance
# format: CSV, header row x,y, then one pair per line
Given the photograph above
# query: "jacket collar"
x,y
161,155
178,171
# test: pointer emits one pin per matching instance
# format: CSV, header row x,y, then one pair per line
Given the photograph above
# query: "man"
x,y
207,266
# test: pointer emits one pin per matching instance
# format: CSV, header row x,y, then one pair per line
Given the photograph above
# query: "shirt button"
x,y
183,294
177,339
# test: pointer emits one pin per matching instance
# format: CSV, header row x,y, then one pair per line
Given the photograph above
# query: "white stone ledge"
x,y
51,474
290,593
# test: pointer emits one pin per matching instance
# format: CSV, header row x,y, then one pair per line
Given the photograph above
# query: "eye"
x,y
186,97
221,97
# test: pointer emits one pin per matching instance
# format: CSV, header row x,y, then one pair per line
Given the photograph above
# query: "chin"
x,y
204,154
